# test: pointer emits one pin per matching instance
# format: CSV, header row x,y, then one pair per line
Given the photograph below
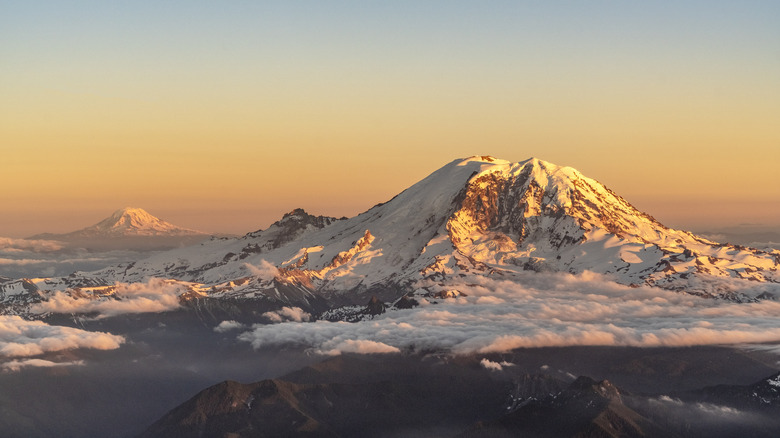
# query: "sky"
x,y
222,116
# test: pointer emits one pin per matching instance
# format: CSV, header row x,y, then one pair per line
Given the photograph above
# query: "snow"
x,y
547,218
629,255
135,221
128,222
425,230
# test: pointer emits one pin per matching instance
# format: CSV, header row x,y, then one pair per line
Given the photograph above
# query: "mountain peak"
x,y
291,225
299,218
533,166
133,221
481,159
131,211
537,162
139,215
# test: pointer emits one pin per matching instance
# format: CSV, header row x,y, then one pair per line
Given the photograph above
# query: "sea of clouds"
x,y
153,296
25,258
537,310
493,314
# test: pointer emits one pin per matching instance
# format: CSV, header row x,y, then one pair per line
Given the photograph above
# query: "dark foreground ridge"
x,y
431,395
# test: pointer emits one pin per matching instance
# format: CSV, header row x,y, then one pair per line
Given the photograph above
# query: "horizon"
x,y
224,117
734,225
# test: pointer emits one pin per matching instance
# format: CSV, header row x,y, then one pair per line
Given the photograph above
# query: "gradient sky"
x,y
223,115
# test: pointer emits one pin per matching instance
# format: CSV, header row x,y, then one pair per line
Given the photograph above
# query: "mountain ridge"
x,y
359,395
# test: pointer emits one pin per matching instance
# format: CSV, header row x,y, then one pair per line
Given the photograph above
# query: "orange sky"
x,y
223,118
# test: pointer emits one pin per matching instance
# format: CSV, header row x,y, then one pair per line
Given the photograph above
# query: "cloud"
x,y
45,258
361,347
153,296
21,338
703,416
265,271
495,366
490,365
770,245
538,310
226,326
9,244
770,348
21,262
16,365
287,314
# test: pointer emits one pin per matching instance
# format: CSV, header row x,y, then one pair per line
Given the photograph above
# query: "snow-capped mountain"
x,y
126,222
478,216
128,229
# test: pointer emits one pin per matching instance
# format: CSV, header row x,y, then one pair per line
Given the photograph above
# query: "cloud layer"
x,y
287,314
12,245
16,365
537,310
47,258
22,338
153,296
226,326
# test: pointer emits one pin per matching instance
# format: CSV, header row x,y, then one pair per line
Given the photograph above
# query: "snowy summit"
x,y
136,222
126,222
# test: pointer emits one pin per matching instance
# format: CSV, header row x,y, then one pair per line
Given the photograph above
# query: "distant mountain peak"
x,y
133,221
131,211
126,222
132,217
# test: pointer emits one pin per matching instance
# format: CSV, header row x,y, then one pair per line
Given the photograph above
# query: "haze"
x,y
223,116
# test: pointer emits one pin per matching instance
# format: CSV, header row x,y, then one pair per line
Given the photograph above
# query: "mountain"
x,y
128,228
400,407
417,395
125,222
351,397
761,395
478,216
586,408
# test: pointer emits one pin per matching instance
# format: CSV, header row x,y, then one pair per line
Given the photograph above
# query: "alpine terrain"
x,y
478,216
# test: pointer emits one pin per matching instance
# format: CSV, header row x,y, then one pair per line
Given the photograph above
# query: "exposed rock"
x,y
374,307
